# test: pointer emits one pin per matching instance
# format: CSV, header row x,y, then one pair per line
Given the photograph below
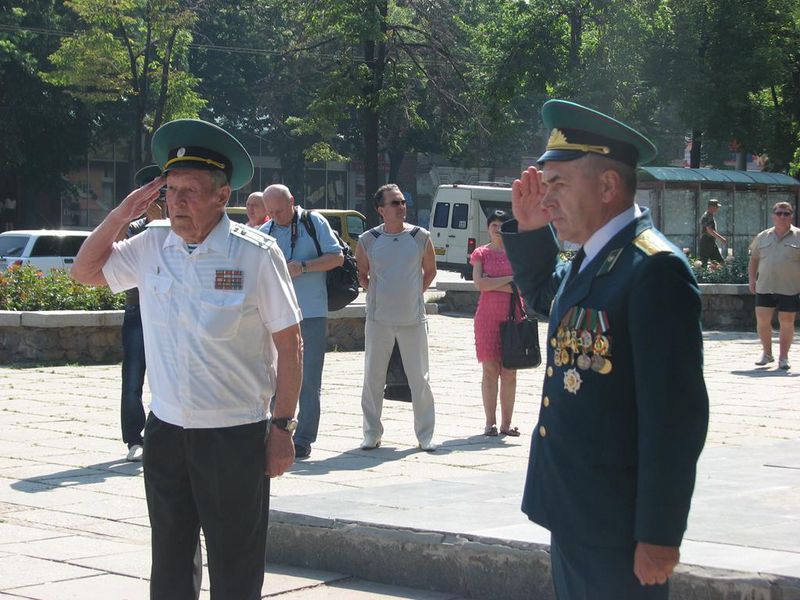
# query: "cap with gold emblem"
x,y
577,131
146,174
196,144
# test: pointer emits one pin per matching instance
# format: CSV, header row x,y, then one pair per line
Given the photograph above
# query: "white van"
x,y
458,221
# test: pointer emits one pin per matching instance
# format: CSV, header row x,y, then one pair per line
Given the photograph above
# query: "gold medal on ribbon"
x,y
557,358
586,340
601,345
607,366
565,359
553,342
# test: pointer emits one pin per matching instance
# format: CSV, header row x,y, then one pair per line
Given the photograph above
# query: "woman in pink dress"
x,y
492,274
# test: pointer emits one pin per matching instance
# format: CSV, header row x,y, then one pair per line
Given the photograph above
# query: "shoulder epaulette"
x,y
251,235
158,223
651,243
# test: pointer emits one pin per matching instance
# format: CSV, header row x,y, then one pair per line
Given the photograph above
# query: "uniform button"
x,y
549,371
546,401
542,431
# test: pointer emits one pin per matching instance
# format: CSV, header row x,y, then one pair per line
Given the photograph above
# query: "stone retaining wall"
x,y
725,306
95,337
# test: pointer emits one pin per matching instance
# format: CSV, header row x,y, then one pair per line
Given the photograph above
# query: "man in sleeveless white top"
x,y
396,264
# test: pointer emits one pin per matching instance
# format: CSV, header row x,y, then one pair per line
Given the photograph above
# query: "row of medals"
x,y
586,349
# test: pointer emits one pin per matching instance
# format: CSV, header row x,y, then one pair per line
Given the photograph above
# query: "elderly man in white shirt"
x,y
222,339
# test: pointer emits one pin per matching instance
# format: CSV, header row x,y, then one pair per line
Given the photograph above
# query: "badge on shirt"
x,y
228,279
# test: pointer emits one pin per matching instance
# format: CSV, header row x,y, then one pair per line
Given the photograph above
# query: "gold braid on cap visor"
x,y
207,161
558,141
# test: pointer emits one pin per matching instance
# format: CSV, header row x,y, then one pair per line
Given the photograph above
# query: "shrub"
x,y
733,270
27,288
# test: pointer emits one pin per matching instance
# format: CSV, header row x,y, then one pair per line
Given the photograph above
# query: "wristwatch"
x,y
287,424
303,267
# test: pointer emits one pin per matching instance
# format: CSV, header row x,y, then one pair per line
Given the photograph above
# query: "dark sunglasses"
x,y
782,213
396,203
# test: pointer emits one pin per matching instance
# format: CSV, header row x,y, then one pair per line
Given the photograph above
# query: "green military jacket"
x,y
624,408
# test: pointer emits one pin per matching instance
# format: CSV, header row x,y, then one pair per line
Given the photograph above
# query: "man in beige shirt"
x,y
774,272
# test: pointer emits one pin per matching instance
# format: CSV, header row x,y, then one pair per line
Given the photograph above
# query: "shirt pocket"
x,y
220,314
159,297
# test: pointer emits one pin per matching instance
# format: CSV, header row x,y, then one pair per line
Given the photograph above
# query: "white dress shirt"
x,y
207,318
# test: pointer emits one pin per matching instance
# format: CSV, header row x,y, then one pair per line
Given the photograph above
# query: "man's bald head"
x,y
279,203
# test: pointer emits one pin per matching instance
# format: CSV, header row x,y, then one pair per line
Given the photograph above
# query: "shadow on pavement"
x,y
764,372
79,476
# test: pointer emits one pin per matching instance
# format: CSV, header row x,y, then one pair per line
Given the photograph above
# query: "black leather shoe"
x,y
302,451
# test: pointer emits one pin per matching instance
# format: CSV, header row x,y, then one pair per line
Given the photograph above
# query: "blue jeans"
x,y
315,342
133,367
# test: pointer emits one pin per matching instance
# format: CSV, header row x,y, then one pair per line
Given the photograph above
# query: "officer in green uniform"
x,y
624,408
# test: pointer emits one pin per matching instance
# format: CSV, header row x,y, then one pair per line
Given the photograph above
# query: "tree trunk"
x,y
697,145
371,179
395,161
375,60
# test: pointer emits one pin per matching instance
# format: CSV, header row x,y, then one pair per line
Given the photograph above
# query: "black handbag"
x,y
519,339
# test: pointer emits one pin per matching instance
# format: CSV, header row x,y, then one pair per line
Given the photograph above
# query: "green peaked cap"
x,y
146,175
577,130
196,144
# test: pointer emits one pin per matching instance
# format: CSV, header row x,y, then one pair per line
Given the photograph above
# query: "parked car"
x,y
349,224
45,249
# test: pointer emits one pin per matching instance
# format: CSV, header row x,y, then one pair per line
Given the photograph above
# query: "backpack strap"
x,y
305,219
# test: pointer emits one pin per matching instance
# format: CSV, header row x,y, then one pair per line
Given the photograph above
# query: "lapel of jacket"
x,y
575,290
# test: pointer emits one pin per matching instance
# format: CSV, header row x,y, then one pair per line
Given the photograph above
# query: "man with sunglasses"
x,y
774,272
396,264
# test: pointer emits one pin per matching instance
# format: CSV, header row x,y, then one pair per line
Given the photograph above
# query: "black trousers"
x,y
214,479
582,572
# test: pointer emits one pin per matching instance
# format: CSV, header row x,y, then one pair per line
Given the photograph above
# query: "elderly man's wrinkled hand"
x,y
653,564
527,193
136,203
280,452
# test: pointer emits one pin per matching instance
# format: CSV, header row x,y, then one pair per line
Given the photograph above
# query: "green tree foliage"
x,y
32,158
130,56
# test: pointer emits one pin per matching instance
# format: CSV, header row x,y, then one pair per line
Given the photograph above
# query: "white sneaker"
x,y
765,358
428,446
783,363
135,453
370,444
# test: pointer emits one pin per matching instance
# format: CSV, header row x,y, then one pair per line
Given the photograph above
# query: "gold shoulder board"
x,y
251,235
651,243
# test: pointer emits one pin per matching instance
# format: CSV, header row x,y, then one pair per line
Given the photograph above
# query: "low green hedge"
x,y
27,288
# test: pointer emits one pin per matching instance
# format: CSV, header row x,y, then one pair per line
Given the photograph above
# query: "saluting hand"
x,y
527,193
653,564
139,199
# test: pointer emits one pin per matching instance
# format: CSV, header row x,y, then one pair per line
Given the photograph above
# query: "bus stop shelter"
x,y
678,197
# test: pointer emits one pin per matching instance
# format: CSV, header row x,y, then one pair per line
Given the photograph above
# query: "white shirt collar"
x,y
602,236
216,240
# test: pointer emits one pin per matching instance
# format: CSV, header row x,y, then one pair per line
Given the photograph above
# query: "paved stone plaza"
x,y
73,521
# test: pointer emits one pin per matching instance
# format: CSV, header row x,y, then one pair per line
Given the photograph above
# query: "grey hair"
x,y
627,174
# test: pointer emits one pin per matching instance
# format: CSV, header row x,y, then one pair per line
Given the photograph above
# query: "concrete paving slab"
x,y
19,571
98,587
62,476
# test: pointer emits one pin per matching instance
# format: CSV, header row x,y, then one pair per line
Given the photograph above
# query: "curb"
x,y
472,566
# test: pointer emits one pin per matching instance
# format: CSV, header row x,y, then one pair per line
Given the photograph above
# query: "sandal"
x,y
513,432
491,431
